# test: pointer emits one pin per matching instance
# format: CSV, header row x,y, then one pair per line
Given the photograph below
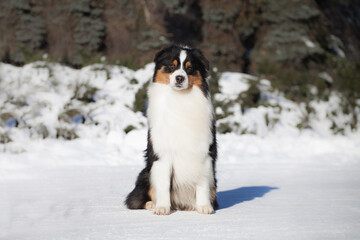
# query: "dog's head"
x,y
181,67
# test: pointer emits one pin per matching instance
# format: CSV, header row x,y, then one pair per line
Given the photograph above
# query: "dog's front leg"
x,y
160,180
203,203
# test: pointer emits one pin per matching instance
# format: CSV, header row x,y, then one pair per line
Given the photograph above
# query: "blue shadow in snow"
x,y
232,197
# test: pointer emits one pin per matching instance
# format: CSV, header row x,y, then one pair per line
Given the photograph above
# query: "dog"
x,y
181,144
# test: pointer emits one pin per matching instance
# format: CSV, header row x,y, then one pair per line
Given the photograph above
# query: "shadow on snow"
x,y
232,197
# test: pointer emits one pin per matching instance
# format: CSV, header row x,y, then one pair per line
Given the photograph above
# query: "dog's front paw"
x,y
206,209
149,205
162,210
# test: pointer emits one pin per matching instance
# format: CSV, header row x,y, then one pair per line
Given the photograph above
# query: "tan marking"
x,y
150,203
162,77
195,80
175,62
212,194
152,194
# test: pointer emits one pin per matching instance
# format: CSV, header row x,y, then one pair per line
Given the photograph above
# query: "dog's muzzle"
x,y
179,80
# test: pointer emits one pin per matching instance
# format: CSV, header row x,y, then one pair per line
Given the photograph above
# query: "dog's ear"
x,y
198,53
160,53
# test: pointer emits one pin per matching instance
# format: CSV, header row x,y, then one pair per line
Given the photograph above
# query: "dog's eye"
x,y
189,69
172,67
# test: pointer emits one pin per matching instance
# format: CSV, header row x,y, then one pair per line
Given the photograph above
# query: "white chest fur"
x,y
180,127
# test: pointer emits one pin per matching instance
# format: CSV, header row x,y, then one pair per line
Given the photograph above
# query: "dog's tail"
x,y
138,197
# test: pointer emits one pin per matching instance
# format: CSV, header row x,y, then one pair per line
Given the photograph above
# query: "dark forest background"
x,y
287,41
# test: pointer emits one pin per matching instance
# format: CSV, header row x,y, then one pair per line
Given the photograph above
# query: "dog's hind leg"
x,y
138,197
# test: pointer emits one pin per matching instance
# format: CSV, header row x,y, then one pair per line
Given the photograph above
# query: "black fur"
x,y
213,155
138,197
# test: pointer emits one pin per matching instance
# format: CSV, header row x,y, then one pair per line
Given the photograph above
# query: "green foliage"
x,y
32,56
285,33
294,83
224,128
304,12
222,18
134,81
251,97
150,39
5,138
90,33
40,130
129,129
21,5
102,68
215,15
224,106
85,93
69,115
90,30
140,98
346,76
18,56
171,4
287,42
82,57
128,62
29,31
225,53
249,27
66,133
213,82
176,6
285,10
271,121
273,11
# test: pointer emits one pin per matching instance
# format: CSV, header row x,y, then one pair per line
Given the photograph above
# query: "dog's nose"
x,y
179,79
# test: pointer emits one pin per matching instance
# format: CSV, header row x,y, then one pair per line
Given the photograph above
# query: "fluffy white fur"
x,y
180,128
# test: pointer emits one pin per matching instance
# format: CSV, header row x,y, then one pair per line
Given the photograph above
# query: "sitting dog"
x,y
181,145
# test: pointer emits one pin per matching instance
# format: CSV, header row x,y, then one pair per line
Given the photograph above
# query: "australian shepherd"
x,y
181,145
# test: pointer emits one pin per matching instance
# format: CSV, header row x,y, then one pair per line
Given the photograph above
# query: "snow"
x,y
279,187
233,84
38,94
308,42
279,183
326,77
337,45
46,100
277,112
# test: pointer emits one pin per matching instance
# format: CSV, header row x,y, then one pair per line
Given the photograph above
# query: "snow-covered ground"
x,y
281,183
278,187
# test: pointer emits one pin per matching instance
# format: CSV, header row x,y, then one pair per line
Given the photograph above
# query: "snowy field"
x,y
278,184
303,187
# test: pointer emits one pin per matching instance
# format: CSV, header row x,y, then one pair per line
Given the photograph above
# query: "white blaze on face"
x,y
182,58
181,73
